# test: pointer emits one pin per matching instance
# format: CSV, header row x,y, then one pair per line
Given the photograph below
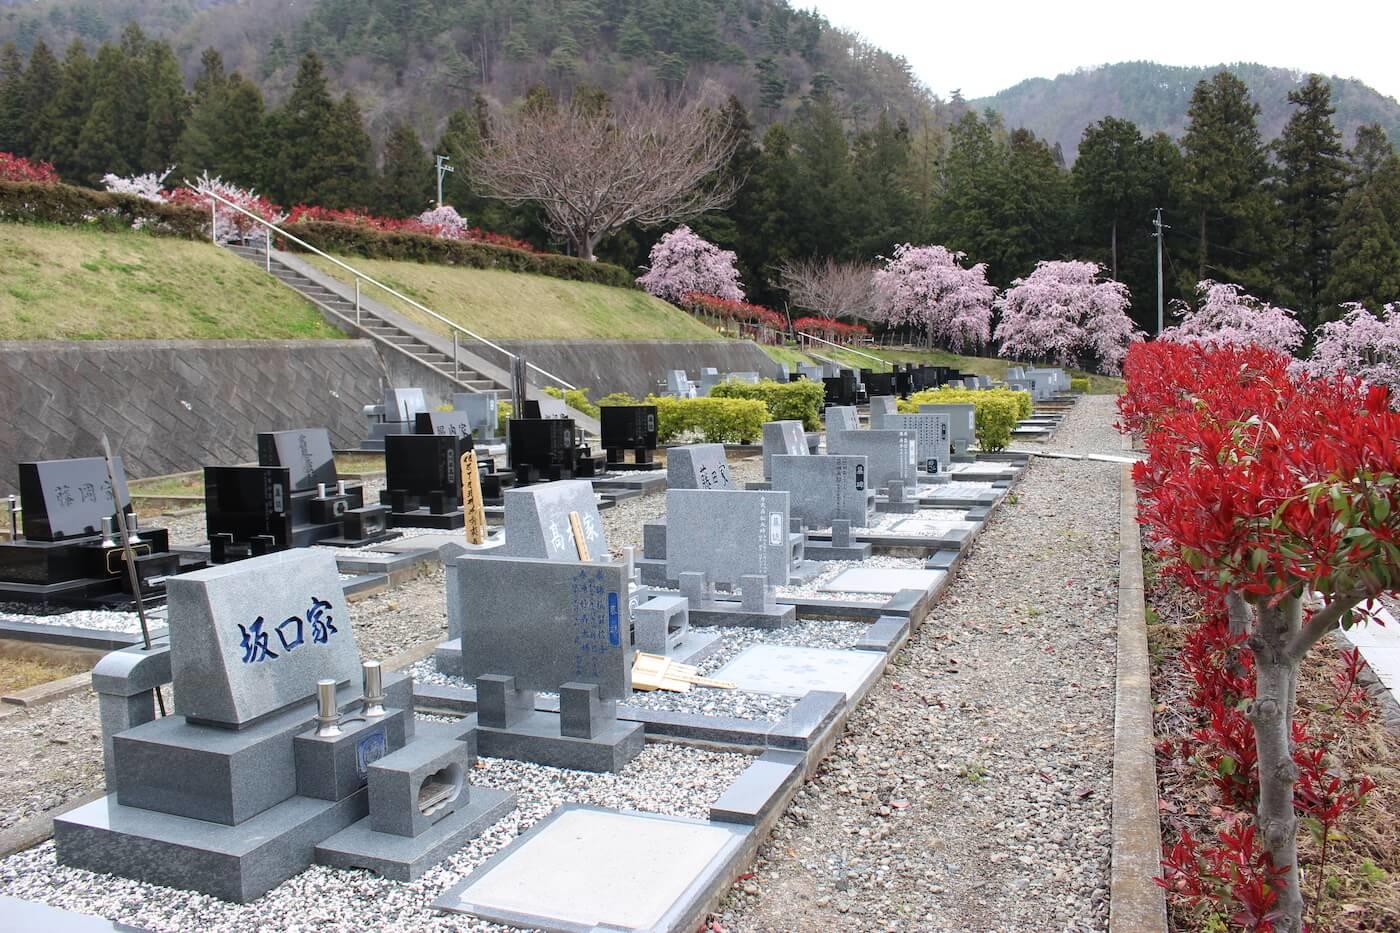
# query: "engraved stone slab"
x,y
882,580
782,437
698,466
934,438
842,418
67,498
251,637
890,455
823,489
793,671
305,452
537,521
728,534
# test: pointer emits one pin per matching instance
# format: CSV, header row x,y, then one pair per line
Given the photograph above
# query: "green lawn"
x,y
65,283
979,365
517,306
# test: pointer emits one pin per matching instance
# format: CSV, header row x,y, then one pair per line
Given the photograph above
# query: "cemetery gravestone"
x,y
842,418
446,423
69,498
782,437
934,439
537,522
698,466
825,489
728,534
880,406
482,411
962,425
892,455
306,453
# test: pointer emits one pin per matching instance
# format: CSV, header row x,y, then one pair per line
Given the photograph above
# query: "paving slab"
x,y
586,868
882,580
794,670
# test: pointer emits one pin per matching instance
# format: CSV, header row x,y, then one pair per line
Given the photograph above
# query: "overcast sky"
x,y
985,47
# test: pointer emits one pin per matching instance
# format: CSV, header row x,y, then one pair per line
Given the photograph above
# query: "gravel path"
x,y
971,791
1088,428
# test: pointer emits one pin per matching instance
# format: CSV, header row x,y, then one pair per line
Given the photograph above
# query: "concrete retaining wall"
x,y
169,406
634,366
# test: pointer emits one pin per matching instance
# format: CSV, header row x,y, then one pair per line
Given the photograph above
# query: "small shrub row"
x,y
67,205
356,240
717,420
1079,384
575,398
997,410
786,401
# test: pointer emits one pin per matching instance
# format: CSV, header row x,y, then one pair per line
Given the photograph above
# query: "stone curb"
x,y
1136,903
40,694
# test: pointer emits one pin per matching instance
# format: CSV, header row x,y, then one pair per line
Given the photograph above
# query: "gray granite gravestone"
x,y
782,437
305,452
842,418
481,409
698,466
891,455
880,406
537,521
543,622
551,407
962,424
250,638
824,489
403,404
934,438
728,534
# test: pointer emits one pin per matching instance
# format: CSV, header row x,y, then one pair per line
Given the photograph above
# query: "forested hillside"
x,y
1155,97
413,61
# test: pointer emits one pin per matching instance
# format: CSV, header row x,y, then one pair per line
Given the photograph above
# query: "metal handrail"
x,y
838,346
217,199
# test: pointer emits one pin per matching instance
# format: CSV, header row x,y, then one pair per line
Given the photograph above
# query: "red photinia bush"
x,y
18,168
428,224
728,310
1266,488
835,331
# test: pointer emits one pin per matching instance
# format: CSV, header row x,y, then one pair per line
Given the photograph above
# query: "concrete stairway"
x,y
373,325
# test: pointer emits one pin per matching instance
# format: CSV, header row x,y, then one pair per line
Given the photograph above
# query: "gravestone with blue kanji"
x,y
250,638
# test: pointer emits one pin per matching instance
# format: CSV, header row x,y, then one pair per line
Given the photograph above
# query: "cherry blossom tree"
x,y
445,222
1225,314
231,226
1065,313
150,186
928,288
683,262
1362,344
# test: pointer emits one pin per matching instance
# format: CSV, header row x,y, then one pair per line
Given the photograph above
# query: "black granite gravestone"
x,y
69,498
423,485
452,423
629,426
305,452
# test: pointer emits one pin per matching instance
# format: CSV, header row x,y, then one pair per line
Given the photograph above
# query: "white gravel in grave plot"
x,y
709,701
102,620
956,488
919,524
831,569
665,778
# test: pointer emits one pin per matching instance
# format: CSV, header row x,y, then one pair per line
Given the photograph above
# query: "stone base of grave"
x,y
734,615
387,535
803,571
426,518
825,550
965,458
537,738
406,858
908,507
233,863
933,479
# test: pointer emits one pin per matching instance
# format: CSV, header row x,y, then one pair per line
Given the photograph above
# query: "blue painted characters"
x,y
291,632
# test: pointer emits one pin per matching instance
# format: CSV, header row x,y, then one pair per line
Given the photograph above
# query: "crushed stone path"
x,y
971,790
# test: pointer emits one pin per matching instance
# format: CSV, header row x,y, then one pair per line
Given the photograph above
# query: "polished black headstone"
x,y
422,464
628,426
452,423
248,502
306,453
69,498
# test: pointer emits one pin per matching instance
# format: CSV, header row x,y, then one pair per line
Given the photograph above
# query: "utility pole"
x,y
442,169
1157,224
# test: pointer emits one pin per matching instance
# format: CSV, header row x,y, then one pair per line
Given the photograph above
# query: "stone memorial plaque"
x,y
698,466
305,452
537,521
962,420
842,418
69,498
543,622
825,488
252,637
934,438
790,670
728,534
403,404
450,423
891,455
782,437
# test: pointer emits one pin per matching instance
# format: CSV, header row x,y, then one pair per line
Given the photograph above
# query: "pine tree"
x,y
406,183
1226,169
199,149
1366,265
41,79
104,141
244,140
825,188
1313,180
884,211
14,118
632,40
297,168
166,108
1110,180
348,179
69,111
459,141
1371,151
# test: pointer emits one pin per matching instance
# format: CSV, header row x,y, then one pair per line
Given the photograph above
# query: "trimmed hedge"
x,y
1079,384
786,401
574,398
997,410
70,206
718,420
352,240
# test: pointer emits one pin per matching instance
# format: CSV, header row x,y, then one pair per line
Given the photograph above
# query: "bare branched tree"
x,y
593,169
830,288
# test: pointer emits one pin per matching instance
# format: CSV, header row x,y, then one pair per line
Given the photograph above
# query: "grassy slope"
x,y
979,365
515,306
62,283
